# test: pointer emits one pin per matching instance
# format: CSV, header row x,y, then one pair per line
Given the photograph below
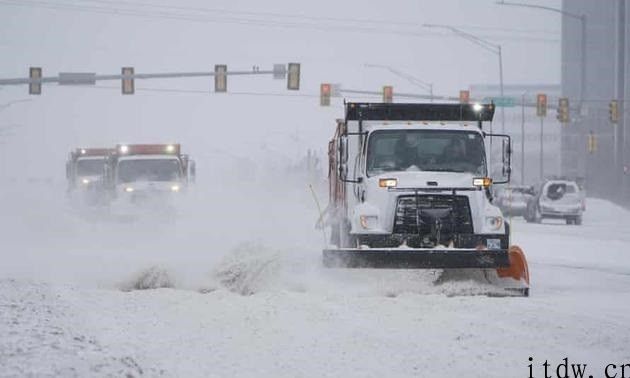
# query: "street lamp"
x,y
413,80
488,46
582,19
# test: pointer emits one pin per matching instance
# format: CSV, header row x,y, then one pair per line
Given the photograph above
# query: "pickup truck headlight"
x,y
368,222
494,223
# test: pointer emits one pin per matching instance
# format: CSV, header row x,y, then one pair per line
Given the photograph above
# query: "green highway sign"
x,y
501,102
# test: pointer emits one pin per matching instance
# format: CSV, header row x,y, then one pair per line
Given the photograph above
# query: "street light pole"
x,y
413,80
488,46
579,17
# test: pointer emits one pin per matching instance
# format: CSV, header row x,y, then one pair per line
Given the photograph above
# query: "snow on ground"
x,y
242,294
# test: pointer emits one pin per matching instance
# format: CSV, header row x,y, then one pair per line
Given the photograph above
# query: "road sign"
x,y
77,78
501,101
279,71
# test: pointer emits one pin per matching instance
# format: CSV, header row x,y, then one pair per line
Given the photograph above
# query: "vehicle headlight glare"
x,y
388,183
129,189
175,188
85,181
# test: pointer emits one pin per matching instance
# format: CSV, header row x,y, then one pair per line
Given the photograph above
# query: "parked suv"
x,y
556,199
513,200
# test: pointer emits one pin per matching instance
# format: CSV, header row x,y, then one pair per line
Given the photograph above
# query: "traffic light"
x,y
293,77
220,78
464,97
388,94
613,109
541,105
324,94
128,85
563,110
35,88
592,143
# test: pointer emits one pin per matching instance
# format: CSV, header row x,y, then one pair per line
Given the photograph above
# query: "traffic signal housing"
x,y
613,109
220,78
35,83
128,85
464,97
592,143
563,110
541,105
325,91
293,77
388,94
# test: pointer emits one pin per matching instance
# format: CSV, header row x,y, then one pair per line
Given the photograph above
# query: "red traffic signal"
x,y
388,94
464,97
324,94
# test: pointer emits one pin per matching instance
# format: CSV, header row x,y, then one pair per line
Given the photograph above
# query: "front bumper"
x,y
491,241
400,258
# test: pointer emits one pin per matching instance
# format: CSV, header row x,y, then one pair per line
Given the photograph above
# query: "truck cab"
x,y
85,168
138,172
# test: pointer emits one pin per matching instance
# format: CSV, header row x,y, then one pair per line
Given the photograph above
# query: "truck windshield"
x,y
90,167
148,170
425,150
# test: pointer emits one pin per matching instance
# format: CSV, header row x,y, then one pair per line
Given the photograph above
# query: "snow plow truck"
x,y
409,188
84,173
143,173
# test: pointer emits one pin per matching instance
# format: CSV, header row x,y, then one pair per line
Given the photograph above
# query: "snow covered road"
x,y
63,313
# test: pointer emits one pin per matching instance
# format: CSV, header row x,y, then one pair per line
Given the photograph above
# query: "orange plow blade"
x,y
518,269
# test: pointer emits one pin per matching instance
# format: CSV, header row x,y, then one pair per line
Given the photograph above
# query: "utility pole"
x,y
488,46
620,140
523,138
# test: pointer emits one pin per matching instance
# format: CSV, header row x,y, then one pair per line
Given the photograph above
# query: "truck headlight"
x,y
368,221
175,188
85,181
388,183
494,223
129,189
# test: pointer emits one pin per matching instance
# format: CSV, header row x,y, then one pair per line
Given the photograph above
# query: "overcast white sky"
x,y
324,36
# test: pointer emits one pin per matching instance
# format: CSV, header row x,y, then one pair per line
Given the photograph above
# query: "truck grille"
x,y
453,213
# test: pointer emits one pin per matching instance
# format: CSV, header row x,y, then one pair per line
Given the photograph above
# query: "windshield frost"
x,y
148,170
425,150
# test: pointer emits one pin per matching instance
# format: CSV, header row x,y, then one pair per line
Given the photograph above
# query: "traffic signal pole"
x,y
542,173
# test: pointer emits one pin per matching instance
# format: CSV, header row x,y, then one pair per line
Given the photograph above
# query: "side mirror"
x,y
505,170
507,158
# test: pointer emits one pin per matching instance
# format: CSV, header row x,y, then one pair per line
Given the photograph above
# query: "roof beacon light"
x,y
477,107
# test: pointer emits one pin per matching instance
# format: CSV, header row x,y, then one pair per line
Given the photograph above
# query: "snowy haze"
x,y
246,294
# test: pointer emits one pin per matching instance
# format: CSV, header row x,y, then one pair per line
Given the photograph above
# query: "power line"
x,y
394,28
